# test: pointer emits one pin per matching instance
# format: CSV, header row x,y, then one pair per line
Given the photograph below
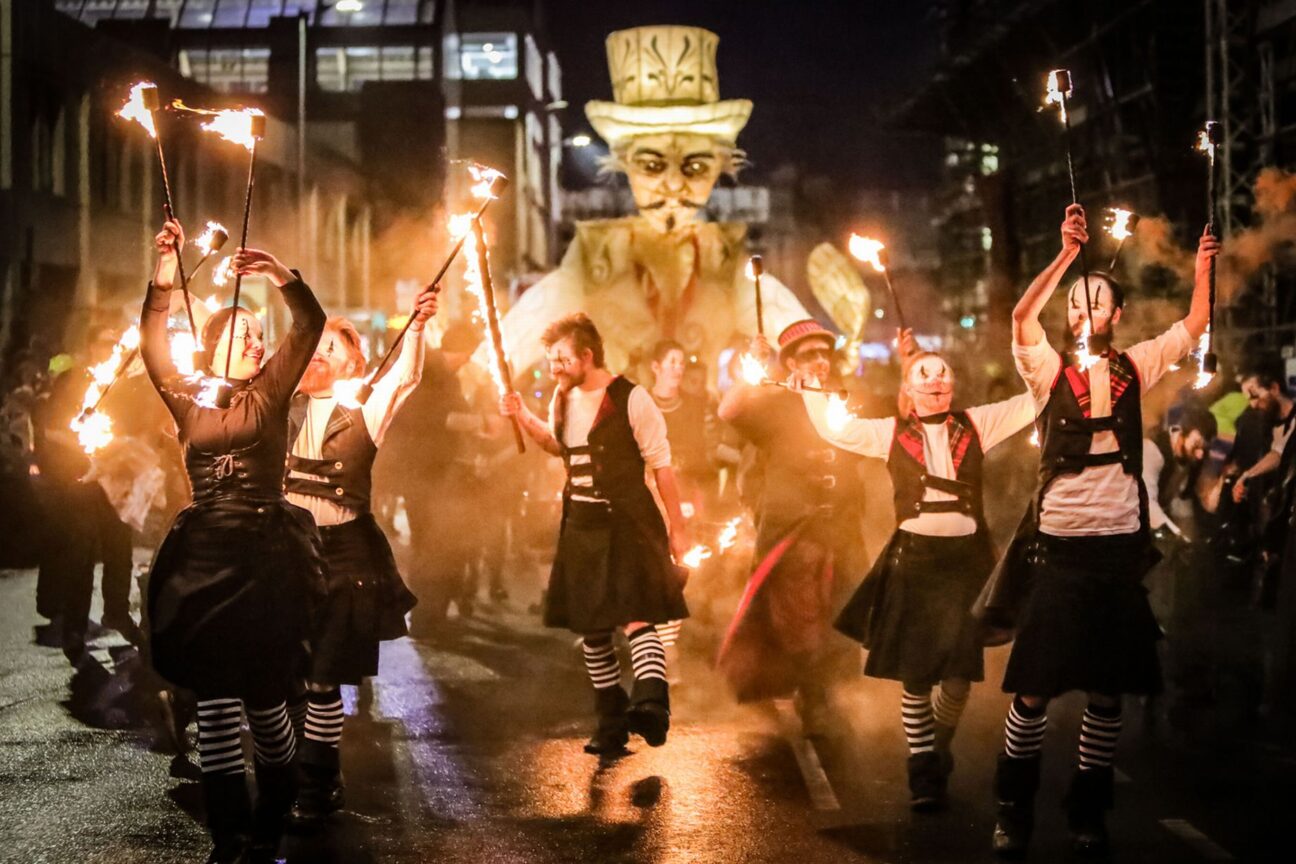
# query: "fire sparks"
x,y
838,412
753,370
212,238
136,107
694,557
867,250
1203,348
209,391
1059,90
1208,140
244,126
93,429
221,275
1122,226
484,178
1084,359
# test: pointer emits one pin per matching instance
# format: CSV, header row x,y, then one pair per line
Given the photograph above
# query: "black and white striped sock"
x,y
919,724
324,717
220,748
272,734
950,702
601,661
1099,729
669,632
647,654
1024,731
297,714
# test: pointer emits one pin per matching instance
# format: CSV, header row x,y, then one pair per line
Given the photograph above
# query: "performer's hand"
x,y
1239,490
759,348
170,238
679,544
906,344
425,306
801,379
510,404
1075,231
1207,249
254,262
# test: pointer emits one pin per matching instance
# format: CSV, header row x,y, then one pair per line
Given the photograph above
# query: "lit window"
x,y
347,69
476,56
229,70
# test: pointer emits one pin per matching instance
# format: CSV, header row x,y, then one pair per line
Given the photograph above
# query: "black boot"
x,y
1088,799
319,791
649,713
229,817
926,783
1016,781
276,791
613,731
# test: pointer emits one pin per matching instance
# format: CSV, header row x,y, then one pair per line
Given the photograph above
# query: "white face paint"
x,y
929,384
671,176
1100,297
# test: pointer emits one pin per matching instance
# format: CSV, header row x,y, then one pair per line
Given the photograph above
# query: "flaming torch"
x,y
94,430
756,269
1123,224
245,127
502,375
142,108
1059,91
1208,141
489,184
753,373
873,252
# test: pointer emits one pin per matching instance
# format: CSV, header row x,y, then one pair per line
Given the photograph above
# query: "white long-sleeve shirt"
x,y
646,420
1153,465
994,424
1101,499
389,393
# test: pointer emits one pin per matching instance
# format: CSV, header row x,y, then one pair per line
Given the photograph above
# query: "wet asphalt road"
x,y
468,749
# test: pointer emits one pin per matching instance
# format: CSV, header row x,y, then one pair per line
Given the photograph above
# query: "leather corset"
x,y
252,472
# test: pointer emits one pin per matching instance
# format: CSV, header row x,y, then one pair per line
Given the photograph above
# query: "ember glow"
x,y
694,557
94,429
1121,227
867,250
838,413
134,108
753,370
239,127
212,238
1059,90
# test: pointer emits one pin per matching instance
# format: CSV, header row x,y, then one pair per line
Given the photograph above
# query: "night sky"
x,y
820,72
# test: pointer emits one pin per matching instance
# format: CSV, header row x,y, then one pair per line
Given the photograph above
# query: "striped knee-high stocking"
x,y
1099,729
919,723
272,735
949,705
647,654
220,749
297,714
324,717
1024,731
601,661
669,632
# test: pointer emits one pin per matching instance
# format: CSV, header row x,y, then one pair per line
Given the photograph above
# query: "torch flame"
x,y
183,347
347,392
209,390
94,430
134,108
694,557
729,534
868,250
1084,359
473,284
212,303
1034,438
1203,377
235,126
484,178
751,270
1056,95
1120,227
206,241
838,413
753,370
1205,145
221,276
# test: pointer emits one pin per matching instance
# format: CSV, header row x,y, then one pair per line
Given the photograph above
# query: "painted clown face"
x,y
1105,314
929,384
671,176
332,362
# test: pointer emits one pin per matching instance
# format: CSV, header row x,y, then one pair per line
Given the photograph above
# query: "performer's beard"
x,y
317,378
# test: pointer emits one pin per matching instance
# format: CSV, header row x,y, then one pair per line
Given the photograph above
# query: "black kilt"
x,y
610,571
365,604
231,593
1086,623
914,610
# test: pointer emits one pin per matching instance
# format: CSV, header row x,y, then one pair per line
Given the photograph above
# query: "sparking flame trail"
x,y
473,283
93,428
221,275
867,250
694,557
729,534
1056,95
484,178
838,413
235,126
134,108
206,241
753,370
1084,359
1120,227
1203,348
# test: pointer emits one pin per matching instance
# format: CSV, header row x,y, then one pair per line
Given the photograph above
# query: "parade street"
x,y
469,749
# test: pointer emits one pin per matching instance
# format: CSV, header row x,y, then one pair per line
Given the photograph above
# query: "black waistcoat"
x,y
347,458
1066,433
616,466
910,479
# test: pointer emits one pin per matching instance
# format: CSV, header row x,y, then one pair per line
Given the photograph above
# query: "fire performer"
x,y
914,610
613,568
1071,582
809,538
233,582
335,441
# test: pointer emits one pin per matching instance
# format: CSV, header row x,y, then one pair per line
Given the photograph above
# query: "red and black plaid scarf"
x,y
960,438
1121,373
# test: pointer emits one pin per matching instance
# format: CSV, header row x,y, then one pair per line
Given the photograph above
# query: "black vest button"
x,y
337,465
260,509
339,491
1062,422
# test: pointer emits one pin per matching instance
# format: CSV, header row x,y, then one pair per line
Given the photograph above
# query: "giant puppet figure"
x,y
662,273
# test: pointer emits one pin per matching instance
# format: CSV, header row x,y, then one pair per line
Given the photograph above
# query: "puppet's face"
x,y
671,176
332,362
1105,314
929,383
248,348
